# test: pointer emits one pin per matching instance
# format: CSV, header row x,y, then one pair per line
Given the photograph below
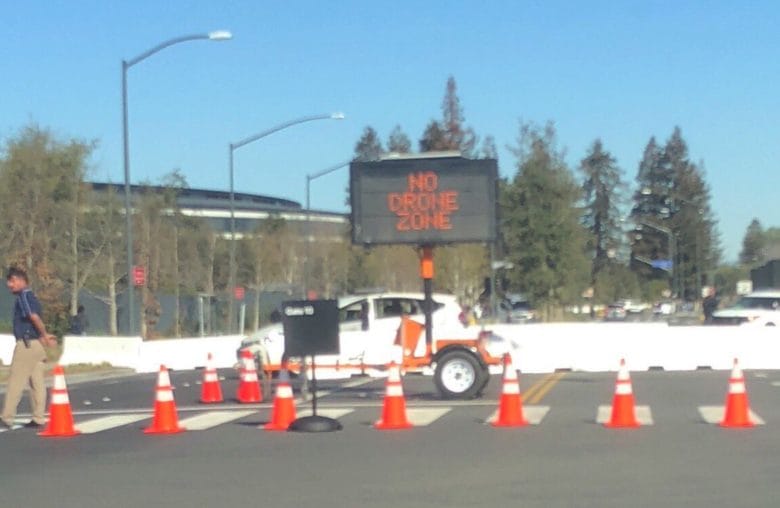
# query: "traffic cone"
x,y
60,415
737,407
510,406
283,412
394,406
249,384
211,391
623,410
165,420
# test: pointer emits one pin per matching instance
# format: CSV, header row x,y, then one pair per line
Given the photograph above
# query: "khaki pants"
x,y
27,368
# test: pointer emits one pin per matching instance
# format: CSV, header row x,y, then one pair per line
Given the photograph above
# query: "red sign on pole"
x,y
238,293
139,275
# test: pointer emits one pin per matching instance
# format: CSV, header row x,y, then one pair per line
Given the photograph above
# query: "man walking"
x,y
27,365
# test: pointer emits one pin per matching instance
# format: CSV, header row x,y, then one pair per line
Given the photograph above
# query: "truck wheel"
x,y
459,375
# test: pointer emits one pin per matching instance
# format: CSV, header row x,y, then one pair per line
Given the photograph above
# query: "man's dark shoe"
x,y
33,425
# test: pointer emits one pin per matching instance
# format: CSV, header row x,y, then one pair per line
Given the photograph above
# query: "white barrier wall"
x,y
117,351
147,356
183,354
535,348
600,346
7,345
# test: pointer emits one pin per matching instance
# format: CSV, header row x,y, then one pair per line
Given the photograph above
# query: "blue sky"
x,y
620,71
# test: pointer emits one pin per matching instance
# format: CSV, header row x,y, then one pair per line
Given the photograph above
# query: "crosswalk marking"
x,y
330,412
18,424
643,414
109,422
211,419
534,414
420,417
715,414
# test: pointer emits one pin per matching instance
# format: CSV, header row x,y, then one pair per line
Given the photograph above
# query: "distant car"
x,y
759,308
516,311
615,312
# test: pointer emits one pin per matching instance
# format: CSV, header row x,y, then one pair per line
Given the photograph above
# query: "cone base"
x,y
741,425
214,401
276,427
626,425
521,423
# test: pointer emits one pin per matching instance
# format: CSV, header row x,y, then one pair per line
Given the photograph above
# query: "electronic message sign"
x,y
423,201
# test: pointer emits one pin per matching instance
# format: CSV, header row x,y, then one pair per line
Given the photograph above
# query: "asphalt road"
x,y
452,458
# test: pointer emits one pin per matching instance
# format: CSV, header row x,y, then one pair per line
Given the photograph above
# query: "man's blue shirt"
x,y
26,304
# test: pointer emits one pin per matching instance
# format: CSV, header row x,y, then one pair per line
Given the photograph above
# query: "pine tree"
x,y
602,187
433,138
541,222
369,147
398,141
753,244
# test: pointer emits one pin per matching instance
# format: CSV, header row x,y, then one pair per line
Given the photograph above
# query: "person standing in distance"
x,y
27,365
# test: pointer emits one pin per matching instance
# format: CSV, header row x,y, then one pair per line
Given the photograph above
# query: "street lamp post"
x,y
309,178
672,251
231,148
219,35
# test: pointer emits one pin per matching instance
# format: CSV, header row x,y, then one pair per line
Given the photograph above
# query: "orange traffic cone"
x,y
510,406
737,406
165,420
60,415
623,410
394,406
283,413
249,385
211,391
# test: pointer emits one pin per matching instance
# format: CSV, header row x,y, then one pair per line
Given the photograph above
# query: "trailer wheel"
x,y
459,375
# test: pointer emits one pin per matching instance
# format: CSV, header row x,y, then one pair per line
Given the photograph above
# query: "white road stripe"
x,y
715,414
334,413
534,414
420,417
108,422
18,424
642,413
212,419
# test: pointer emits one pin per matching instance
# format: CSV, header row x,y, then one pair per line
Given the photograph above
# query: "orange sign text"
x,y
422,206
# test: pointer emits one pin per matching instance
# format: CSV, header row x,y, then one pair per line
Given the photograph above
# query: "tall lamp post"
x,y
672,251
232,148
219,35
309,178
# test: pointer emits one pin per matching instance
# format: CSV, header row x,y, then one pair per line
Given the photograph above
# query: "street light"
x,y
309,178
231,148
218,35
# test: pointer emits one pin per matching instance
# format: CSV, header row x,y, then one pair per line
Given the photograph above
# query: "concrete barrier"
x,y
7,345
117,351
189,353
538,348
600,346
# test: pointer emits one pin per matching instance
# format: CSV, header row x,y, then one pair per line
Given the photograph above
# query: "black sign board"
x,y
423,200
311,327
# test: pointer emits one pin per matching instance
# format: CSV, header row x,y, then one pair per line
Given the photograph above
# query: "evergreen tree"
x,y
541,222
369,147
602,187
752,253
489,150
433,138
398,141
456,135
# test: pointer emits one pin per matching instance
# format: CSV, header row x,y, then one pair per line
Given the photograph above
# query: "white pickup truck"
x,y
759,308
371,336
